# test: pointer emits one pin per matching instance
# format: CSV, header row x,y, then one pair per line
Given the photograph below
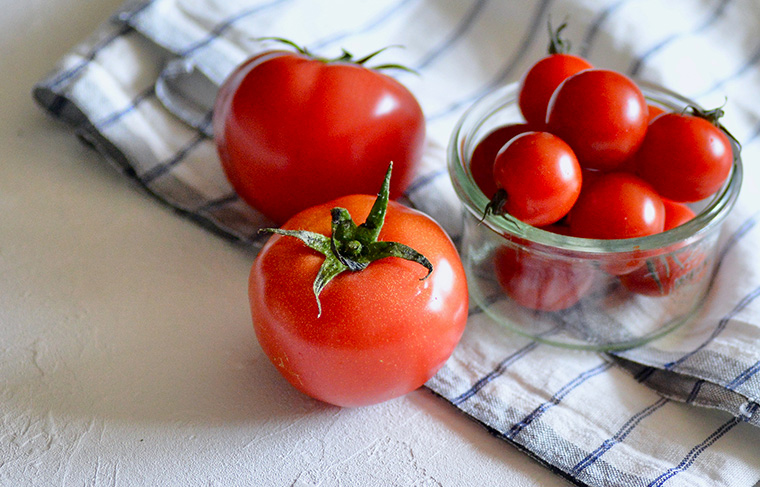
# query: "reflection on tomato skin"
x,y
541,283
665,274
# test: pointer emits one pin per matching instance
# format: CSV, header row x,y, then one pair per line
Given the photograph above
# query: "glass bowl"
x,y
577,292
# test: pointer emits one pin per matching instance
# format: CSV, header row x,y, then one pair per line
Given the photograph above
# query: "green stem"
x,y
354,247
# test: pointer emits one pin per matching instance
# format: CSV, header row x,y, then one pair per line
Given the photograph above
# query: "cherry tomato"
x,y
601,114
540,81
654,111
685,157
540,282
382,332
676,214
663,274
539,178
617,205
484,155
293,131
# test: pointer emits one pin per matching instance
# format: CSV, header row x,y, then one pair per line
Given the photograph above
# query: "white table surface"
x,y
127,355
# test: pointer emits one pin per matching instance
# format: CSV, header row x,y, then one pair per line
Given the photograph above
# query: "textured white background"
x,y
126,351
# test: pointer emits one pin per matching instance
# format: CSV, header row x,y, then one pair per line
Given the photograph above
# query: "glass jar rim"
x,y
710,217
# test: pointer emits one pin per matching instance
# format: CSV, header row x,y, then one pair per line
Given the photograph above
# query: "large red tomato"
x,y
382,332
293,131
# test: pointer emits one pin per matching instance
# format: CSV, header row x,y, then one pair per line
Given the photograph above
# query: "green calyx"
x,y
497,204
345,57
557,45
353,247
713,116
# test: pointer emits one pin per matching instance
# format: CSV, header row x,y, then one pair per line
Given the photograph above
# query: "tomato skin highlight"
x,y
541,80
540,175
293,132
617,205
686,158
383,332
601,114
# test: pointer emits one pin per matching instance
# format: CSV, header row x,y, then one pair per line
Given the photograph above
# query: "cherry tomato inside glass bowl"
x,y
609,314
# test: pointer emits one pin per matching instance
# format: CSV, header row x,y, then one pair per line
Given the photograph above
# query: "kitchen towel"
x,y
683,410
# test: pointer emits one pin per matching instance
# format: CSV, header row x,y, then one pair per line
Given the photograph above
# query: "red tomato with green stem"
x,y
538,177
686,156
484,155
540,81
391,300
294,130
601,114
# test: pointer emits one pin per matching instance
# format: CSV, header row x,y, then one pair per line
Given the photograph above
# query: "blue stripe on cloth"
x,y
556,399
743,303
712,18
463,26
506,71
619,436
67,74
730,244
744,376
164,167
751,62
218,30
695,452
595,27
644,374
109,120
496,372
695,391
226,24
369,26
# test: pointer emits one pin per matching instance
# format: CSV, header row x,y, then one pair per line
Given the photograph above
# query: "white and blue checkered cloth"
x,y
684,410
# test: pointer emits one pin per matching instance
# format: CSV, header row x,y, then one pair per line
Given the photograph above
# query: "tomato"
x,y
665,273
601,114
484,155
676,214
293,131
685,157
617,205
382,331
662,275
653,111
538,282
539,82
538,177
